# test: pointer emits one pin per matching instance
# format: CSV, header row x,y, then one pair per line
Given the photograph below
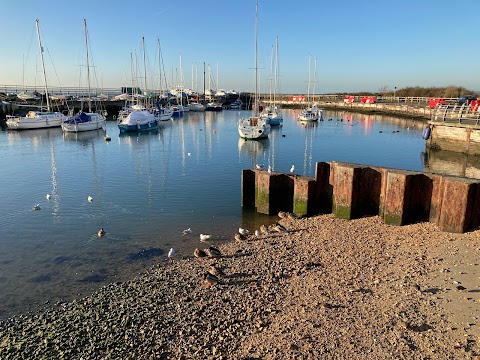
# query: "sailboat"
x,y
195,105
254,127
37,119
272,112
85,121
161,112
138,117
312,112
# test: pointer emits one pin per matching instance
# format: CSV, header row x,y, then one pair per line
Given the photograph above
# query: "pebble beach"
x,y
326,288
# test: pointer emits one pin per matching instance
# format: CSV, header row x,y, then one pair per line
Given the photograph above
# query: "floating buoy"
x,y
107,138
426,133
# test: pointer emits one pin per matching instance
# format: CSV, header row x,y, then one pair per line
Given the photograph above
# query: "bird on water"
x,y
101,232
292,169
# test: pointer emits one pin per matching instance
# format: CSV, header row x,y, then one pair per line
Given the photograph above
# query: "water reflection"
x,y
257,149
451,163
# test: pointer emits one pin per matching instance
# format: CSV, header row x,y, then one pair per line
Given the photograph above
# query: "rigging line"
x,y
44,46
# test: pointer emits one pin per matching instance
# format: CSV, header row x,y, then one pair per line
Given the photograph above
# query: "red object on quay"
x,y
434,102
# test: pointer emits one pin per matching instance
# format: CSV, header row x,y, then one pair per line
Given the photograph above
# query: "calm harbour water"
x,y
147,188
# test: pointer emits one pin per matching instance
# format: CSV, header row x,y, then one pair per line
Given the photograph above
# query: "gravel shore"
x,y
326,289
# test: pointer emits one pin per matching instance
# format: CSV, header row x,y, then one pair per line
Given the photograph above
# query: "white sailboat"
x,y
272,111
312,112
139,117
37,119
254,127
85,121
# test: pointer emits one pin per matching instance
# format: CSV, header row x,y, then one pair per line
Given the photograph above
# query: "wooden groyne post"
x,y
352,191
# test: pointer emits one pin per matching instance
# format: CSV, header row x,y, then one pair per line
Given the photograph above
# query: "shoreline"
x,y
328,288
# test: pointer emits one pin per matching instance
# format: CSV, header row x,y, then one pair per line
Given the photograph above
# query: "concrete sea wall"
x,y
352,191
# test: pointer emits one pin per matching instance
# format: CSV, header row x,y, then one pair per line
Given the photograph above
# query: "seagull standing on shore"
x,y
243,231
259,166
258,233
292,169
269,169
171,253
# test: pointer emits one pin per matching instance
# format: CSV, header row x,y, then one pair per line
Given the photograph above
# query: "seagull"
x,y
108,138
239,237
258,233
89,199
171,253
199,253
187,231
101,232
37,207
259,166
214,252
48,197
269,169
292,169
204,237
210,279
243,231
189,154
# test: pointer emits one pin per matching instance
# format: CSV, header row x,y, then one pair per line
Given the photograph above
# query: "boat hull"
x,y
253,129
37,122
97,122
139,127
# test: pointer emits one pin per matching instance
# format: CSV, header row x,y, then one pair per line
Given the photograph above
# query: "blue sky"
x,y
359,45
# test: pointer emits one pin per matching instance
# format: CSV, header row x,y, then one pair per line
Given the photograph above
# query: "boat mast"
x,y
144,70
204,99
314,79
43,65
159,69
88,66
308,86
276,72
256,105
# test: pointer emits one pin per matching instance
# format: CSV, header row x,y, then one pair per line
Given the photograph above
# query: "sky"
x,y
358,45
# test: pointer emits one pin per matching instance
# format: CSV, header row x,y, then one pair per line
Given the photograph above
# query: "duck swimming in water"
x,y
204,237
101,232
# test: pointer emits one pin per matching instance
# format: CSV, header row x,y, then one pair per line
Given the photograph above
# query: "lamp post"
x,y
394,91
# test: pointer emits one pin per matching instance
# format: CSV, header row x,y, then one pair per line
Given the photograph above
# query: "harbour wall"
x,y
352,191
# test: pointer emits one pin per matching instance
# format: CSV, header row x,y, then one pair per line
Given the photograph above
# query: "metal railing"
x,y
465,114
